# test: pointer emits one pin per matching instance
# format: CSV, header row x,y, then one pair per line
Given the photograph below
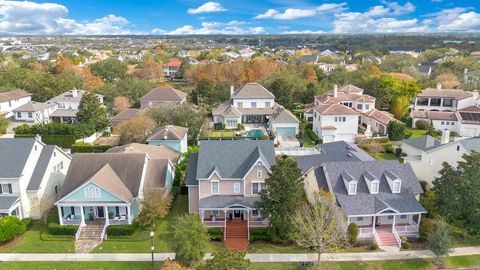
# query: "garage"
x,y
286,131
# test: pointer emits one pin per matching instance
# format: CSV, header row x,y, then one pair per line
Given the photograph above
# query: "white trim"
x,y
69,204
259,160
235,185
211,187
388,208
83,185
378,186
251,187
388,214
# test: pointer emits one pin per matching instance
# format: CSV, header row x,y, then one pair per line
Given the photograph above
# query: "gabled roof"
x,y
253,90
227,110
350,88
282,115
335,109
110,181
191,177
222,201
15,94
380,116
14,153
169,132
74,95
471,144
41,167
173,63
456,94
64,113
153,151
125,115
34,106
156,173
232,159
164,93
423,143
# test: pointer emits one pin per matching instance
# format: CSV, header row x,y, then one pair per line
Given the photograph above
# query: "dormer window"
x,y
397,185
352,188
374,187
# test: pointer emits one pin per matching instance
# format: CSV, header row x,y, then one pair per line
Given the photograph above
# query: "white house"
x,y
36,112
12,100
172,136
335,122
426,154
31,176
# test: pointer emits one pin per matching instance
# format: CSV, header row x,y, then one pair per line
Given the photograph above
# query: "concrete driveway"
x,y
288,141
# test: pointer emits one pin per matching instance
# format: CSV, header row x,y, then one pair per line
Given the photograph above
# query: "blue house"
x,y
173,136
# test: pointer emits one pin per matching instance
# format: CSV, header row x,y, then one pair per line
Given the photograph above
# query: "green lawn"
x,y
267,247
386,156
416,132
80,265
221,134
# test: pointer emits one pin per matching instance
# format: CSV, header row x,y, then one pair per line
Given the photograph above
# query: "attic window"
x,y
397,185
352,188
259,174
374,188
92,192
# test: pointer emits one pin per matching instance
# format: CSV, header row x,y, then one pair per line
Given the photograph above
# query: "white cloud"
x,y
391,8
257,30
28,17
456,19
296,13
157,31
207,7
216,28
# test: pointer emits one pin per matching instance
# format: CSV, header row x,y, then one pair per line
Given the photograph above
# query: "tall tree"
x,y
319,226
458,187
226,259
90,110
4,123
121,103
110,70
190,239
283,194
396,130
440,240
149,69
155,205
135,130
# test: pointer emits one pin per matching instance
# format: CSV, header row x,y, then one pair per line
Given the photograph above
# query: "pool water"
x,y
254,133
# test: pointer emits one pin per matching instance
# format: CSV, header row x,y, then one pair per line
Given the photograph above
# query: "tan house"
x,y
223,188
164,95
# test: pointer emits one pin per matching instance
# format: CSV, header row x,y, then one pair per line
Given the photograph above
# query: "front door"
x,y
236,214
100,212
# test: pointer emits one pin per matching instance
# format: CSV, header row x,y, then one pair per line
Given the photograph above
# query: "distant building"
x,y
12,100
171,68
164,95
172,136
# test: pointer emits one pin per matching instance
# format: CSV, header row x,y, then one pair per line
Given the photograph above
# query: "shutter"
x,y
117,211
10,189
72,210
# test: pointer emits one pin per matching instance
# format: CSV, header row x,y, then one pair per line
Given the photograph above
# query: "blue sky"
x,y
183,17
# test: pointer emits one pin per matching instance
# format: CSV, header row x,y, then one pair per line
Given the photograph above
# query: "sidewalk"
x,y
371,256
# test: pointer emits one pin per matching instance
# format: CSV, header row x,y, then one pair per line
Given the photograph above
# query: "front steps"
x,y
89,238
236,236
387,240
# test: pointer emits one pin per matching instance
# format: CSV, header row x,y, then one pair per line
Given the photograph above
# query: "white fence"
x,y
296,151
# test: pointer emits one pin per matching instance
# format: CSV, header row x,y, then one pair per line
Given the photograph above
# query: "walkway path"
x,y
371,256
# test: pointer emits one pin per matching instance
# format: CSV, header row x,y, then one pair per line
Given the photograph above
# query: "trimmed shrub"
x,y
118,230
426,228
218,126
389,148
373,245
352,231
260,234
421,124
312,136
64,141
405,243
215,234
398,151
27,222
10,227
89,148
57,229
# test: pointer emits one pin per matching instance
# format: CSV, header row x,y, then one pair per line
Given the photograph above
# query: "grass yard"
x,y
414,133
80,265
386,156
267,247
221,134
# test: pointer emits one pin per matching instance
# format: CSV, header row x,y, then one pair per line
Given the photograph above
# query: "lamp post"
x,y
152,247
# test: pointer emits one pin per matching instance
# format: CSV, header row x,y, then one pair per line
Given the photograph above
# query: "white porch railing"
x,y
406,229
397,237
77,234
375,235
103,235
365,232
71,221
216,223
259,223
296,151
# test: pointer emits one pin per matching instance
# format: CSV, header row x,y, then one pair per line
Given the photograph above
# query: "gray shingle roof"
x,y
282,115
253,90
34,106
423,143
41,167
221,201
364,203
232,159
169,132
6,201
471,144
13,156
191,178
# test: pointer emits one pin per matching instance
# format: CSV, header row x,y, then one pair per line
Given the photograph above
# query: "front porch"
x,y
85,214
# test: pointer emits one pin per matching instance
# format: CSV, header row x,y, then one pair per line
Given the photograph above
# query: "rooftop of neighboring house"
x,y
380,116
282,115
164,93
423,143
309,58
169,132
153,151
334,109
173,63
64,113
15,94
34,106
335,175
346,93
435,115
228,158
253,90
74,96
125,115
457,94
471,144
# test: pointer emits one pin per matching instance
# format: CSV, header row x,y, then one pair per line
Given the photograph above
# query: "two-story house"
x,y
381,197
163,96
452,109
12,100
224,180
254,104
426,154
31,176
36,112
173,136
171,68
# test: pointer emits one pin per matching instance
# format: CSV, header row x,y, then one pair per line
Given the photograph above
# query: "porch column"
x,y
107,218
393,224
202,212
60,217
418,224
224,224
129,213
348,221
248,224
373,222
82,216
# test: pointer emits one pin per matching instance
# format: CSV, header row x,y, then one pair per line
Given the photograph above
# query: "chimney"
x,y
74,92
439,86
445,136
38,137
430,141
335,90
232,91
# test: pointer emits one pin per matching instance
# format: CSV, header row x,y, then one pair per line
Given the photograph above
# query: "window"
x,y
254,212
390,217
215,189
442,123
240,104
30,115
359,218
92,192
315,114
458,147
19,115
448,123
448,102
257,187
254,104
340,119
215,213
403,216
374,187
396,187
6,189
367,106
359,106
55,188
267,104
430,161
236,188
352,188
259,174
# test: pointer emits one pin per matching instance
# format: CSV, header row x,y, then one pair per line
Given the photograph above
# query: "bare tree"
x,y
121,103
320,226
155,204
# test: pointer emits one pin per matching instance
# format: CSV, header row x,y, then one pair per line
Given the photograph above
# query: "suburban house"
x,y
254,104
31,176
426,154
164,95
125,115
171,68
36,112
12,100
338,113
224,180
452,109
172,136
381,197
106,188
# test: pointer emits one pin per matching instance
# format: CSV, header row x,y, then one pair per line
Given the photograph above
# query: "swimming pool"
x,y
257,133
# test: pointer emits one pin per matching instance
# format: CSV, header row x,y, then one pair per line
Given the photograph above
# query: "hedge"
x,y
312,136
89,148
64,141
53,128
260,234
215,234
56,229
27,222
11,227
118,230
